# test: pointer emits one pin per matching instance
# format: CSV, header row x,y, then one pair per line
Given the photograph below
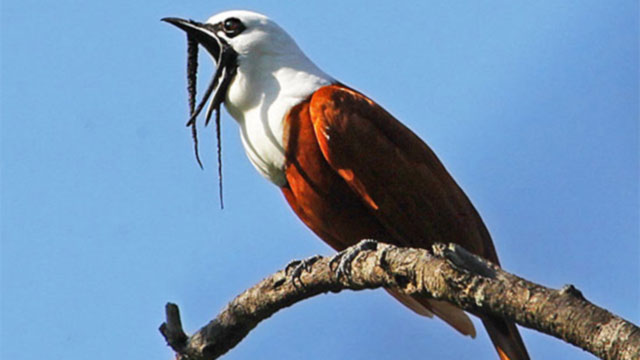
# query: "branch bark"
x,y
450,273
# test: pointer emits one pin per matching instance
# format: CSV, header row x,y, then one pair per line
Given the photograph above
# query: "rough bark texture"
x,y
450,273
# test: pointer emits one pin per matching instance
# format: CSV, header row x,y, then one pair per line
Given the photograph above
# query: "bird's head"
x,y
251,34
246,32
245,41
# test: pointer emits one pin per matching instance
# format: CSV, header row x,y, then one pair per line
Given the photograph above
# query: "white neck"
x,y
265,88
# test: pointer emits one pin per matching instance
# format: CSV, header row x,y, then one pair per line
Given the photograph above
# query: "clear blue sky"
x,y
106,216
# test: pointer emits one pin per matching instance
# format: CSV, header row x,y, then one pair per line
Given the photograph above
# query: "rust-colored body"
x,y
355,172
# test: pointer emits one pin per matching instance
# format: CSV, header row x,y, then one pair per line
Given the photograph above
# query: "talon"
x,y
293,264
345,257
297,267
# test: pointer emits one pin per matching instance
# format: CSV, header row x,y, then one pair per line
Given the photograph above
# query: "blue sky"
x,y
106,216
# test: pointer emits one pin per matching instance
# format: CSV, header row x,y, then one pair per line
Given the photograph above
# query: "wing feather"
x,y
395,173
407,189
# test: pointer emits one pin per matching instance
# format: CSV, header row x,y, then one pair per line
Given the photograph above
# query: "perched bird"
x,y
346,166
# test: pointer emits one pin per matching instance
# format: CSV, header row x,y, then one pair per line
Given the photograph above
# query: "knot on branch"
x,y
464,260
569,289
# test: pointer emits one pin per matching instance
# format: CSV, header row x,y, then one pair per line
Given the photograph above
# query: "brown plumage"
x,y
354,172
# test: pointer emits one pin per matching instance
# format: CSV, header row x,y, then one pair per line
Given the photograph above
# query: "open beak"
x,y
202,33
222,53
226,66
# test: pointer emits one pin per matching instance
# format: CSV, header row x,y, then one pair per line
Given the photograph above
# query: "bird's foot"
x,y
345,257
295,268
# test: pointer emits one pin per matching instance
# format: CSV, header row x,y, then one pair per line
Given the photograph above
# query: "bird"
x,y
348,168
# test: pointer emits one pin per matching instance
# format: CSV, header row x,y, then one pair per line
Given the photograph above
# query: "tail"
x,y
506,338
451,314
503,333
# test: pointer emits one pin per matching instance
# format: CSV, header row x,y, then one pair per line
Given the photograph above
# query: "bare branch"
x,y
450,273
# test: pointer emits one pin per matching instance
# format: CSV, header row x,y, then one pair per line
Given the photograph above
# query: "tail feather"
x,y
411,303
452,315
503,333
506,338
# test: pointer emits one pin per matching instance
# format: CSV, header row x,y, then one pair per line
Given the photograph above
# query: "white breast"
x,y
263,91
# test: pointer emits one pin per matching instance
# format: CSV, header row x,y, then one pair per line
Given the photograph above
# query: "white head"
x,y
250,33
261,75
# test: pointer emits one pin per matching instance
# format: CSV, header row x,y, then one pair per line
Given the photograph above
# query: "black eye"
x,y
232,27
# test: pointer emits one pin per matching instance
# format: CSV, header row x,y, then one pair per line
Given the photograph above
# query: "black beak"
x,y
224,56
204,34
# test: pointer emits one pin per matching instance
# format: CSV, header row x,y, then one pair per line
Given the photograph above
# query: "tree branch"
x,y
450,273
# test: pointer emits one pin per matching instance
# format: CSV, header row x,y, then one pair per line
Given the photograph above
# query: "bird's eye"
x,y
232,27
